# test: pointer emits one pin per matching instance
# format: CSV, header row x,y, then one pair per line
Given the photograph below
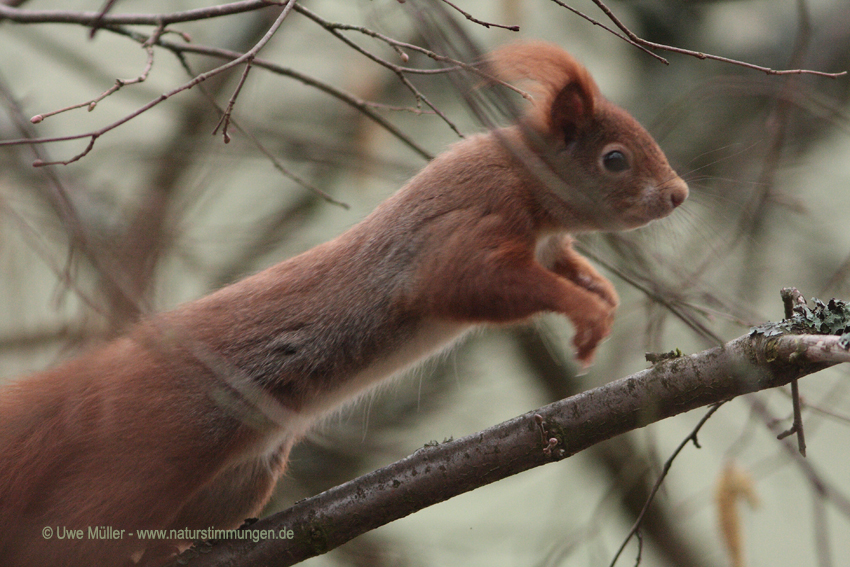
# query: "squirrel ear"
x,y
572,108
563,89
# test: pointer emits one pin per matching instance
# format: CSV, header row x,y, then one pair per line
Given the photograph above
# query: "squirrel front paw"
x,y
559,256
592,326
600,286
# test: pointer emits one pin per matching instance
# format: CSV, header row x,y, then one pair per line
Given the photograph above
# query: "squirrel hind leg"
x,y
237,493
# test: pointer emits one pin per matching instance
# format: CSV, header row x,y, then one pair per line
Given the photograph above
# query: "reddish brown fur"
x,y
549,69
188,420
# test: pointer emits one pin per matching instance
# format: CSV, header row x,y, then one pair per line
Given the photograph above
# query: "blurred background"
x,y
161,211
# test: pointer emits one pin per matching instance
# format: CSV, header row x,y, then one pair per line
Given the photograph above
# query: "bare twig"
x,y
487,25
701,55
692,437
119,83
826,413
224,122
21,16
58,198
363,106
253,139
36,240
99,21
249,59
606,28
104,20
395,44
93,136
400,72
777,126
92,139
640,548
646,46
819,484
280,167
110,22
402,46
791,298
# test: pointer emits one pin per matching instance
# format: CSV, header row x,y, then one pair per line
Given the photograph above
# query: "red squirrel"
x,y
187,421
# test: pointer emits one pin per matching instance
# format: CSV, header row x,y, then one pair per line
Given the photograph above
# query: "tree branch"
x,y
630,37
119,83
436,473
474,20
101,19
363,106
333,29
93,136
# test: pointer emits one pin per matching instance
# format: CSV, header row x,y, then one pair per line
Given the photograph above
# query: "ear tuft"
x,y
563,90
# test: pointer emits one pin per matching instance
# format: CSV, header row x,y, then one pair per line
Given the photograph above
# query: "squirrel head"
x,y
612,174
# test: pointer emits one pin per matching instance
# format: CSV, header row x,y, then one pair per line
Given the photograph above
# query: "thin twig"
x,y
700,55
20,16
57,195
119,83
249,58
606,28
646,46
163,97
797,424
487,25
395,44
690,438
224,122
359,104
791,298
662,297
400,72
98,23
363,106
396,108
266,152
639,536
401,46
818,482
845,419
93,138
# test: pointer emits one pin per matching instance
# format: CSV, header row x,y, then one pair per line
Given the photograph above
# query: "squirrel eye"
x,y
615,161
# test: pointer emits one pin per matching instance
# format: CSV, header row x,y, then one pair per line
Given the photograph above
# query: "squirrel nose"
x,y
679,193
